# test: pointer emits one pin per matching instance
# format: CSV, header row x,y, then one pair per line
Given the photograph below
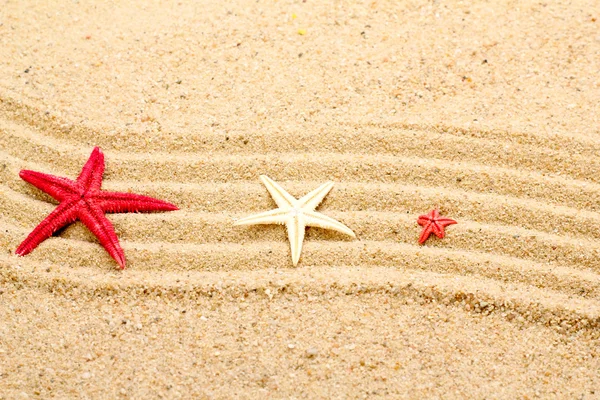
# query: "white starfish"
x,y
296,214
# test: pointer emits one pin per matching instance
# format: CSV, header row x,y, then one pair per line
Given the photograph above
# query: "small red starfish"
x,y
433,223
83,200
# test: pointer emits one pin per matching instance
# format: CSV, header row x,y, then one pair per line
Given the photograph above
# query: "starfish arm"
x,y
446,221
311,200
423,220
313,218
295,229
438,230
55,186
114,202
277,216
425,234
91,173
281,197
93,217
62,215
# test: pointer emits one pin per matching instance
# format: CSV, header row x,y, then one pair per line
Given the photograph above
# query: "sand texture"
x,y
488,111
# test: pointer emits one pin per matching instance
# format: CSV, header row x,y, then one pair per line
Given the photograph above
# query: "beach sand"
x,y
489,112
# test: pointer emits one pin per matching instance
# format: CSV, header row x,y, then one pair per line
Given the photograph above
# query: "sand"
x,y
489,112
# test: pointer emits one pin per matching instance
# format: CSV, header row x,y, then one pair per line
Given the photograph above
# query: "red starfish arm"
x,y
91,173
129,202
446,221
55,186
423,219
425,234
437,229
93,217
62,215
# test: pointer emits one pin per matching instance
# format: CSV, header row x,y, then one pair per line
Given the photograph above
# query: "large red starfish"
x,y
433,223
83,200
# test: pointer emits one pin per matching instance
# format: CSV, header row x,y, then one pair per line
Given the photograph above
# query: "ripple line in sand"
x,y
340,137
225,256
237,197
518,303
584,144
421,145
336,167
183,227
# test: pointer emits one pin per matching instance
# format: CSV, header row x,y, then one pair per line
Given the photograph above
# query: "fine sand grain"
x,y
489,112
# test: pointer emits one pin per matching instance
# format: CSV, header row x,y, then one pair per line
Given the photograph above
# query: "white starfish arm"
x,y
313,218
295,228
277,216
281,197
311,200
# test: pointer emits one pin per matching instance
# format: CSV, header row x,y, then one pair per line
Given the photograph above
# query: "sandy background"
x,y
488,111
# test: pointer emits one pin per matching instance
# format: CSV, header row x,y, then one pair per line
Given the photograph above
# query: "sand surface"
x,y
489,112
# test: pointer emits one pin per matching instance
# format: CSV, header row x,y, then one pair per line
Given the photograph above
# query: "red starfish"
x,y
433,223
83,200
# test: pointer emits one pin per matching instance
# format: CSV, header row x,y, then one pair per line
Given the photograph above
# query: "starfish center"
x,y
294,212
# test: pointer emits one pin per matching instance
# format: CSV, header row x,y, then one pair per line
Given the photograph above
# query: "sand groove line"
x,y
233,198
248,197
183,227
425,145
445,146
369,225
235,256
251,195
337,167
514,301
571,142
21,113
425,148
